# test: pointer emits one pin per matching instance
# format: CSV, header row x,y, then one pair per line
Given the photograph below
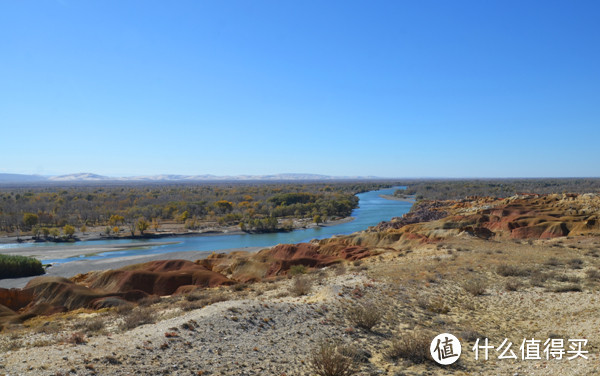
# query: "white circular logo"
x,y
445,348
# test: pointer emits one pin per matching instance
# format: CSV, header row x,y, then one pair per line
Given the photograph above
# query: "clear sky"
x,y
385,88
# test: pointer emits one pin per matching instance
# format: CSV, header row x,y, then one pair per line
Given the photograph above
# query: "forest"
x,y
457,189
54,212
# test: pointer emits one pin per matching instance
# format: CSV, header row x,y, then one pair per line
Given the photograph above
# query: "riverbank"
x,y
71,269
412,199
170,230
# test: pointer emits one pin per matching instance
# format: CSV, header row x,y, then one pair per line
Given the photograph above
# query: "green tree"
x,y
69,231
83,229
317,219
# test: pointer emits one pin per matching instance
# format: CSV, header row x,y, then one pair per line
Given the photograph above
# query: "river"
x,y
372,209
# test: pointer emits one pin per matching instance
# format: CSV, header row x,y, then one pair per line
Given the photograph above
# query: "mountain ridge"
x,y
92,177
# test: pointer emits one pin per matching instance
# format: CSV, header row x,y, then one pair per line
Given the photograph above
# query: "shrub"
x,y
576,263
539,278
475,287
19,266
138,317
435,305
365,316
593,274
300,286
573,287
298,269
512,271
513,284
412,346
76,338
91,325
328,360
567,278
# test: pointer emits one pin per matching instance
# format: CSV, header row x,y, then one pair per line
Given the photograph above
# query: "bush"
x,y
328,359
365,316
298,269
573,287
300,286
413,346
576,263
19,266
475,287
593,274
512,271
513,284
76,338
138,317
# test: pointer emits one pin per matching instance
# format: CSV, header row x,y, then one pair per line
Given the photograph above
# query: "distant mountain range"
x,y
90,177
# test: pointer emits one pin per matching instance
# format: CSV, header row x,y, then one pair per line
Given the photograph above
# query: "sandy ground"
x,y
410,199
73,268
264,329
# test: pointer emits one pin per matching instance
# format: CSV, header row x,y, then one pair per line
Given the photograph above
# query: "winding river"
x,y
372,209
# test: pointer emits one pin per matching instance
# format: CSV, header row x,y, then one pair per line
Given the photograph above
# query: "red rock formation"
x,y
156,277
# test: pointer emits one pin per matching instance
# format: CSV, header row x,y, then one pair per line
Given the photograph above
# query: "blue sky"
x,y
385,88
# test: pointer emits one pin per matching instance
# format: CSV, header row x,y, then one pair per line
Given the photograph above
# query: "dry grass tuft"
x,y
301,285
365,316
328,359
412,346
513,284
506,270
475,286
137,317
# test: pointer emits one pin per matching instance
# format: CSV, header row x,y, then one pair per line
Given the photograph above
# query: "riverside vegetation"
x,y
56,213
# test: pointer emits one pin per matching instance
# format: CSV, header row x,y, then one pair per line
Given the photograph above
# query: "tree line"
x,y
56,212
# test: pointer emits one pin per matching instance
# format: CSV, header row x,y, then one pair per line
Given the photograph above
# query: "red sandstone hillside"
x,y
520,217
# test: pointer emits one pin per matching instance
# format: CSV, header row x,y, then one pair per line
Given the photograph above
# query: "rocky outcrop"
x,y
156,277
519,217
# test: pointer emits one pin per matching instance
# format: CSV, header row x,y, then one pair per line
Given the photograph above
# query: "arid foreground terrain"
x,y
525,267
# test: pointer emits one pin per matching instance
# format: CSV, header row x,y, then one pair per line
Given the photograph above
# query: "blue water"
x,y
372,210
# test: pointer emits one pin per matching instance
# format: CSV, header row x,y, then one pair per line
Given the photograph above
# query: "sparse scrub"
x,y
297,270
138,317
568,278
364,316
76,338
411,346
506,270
572,287
552,261
328,359
475,286
435,305
470,335
539,278
593,274
90,325
576,263
513,284
301,285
